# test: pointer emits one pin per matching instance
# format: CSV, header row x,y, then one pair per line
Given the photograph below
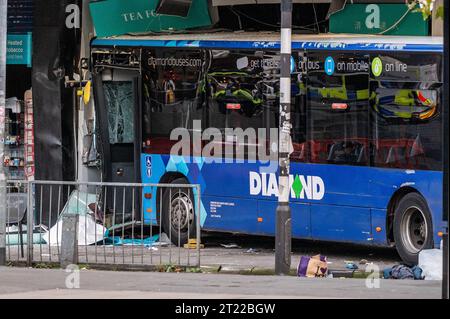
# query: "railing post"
x,y
198,230
30,222
69,240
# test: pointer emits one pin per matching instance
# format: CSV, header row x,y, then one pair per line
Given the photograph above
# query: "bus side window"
x,y
337,113
406,121
242,99
406,126
173,96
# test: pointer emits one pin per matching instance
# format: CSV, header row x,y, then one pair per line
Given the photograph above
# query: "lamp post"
x,y
283,213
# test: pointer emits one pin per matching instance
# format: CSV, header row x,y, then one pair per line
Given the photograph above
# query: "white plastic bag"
x,y
89,232
430,260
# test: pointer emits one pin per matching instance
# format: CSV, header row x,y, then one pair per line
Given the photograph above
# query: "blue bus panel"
x,y
237,198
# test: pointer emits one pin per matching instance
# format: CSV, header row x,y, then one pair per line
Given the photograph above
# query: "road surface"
x,y
26,283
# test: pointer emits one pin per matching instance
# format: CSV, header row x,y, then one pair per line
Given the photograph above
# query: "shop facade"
x,y
18,159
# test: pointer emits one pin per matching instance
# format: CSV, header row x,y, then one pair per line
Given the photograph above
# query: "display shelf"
x,y
14,150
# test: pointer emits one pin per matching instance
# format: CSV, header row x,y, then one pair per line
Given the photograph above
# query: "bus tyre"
x,y
412,227
178,219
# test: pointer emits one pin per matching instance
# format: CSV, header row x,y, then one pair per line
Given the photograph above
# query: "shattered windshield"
x,y
119,103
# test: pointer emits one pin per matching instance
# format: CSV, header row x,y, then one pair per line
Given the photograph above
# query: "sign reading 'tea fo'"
x,y
375,18
118,17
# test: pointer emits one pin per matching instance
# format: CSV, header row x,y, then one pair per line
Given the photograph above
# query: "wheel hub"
x,y
181,211
414,229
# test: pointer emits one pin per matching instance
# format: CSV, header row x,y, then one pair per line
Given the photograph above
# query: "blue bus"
x,y
366,162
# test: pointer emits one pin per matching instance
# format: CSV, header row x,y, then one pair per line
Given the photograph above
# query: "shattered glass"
x,y
120,106
78,204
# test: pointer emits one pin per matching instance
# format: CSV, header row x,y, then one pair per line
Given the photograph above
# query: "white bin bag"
x,y
430,260
88,232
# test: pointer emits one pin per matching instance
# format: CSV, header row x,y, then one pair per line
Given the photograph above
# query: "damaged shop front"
x,y
61,137
18,143
38,141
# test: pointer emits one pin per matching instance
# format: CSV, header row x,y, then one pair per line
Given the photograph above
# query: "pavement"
x,y
222,273
25,283
251,254
257,253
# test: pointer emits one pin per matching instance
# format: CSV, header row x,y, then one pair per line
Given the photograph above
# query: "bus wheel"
x,y
178,220
412,227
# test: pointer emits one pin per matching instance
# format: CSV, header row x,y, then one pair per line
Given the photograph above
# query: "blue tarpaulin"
x,y
118,241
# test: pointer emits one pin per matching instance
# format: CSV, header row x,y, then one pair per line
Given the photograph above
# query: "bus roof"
x,y
270,40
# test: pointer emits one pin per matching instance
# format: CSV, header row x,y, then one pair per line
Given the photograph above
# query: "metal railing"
x,y
106,224
15,207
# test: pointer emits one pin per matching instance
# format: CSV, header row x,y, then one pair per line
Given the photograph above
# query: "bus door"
x,y
118,110
338,144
